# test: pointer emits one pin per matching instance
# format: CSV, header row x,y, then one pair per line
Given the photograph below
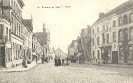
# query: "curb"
x,y
20,70
119,66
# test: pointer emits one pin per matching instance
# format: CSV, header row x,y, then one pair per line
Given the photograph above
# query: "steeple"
x,y
44,29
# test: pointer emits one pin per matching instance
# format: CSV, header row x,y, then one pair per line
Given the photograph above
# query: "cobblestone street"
x,y
74,73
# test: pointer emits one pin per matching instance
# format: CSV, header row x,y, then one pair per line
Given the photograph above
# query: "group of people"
x,y
59,62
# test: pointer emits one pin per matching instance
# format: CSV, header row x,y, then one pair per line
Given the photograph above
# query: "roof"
x,y
41,37
119,9
28,22
21,3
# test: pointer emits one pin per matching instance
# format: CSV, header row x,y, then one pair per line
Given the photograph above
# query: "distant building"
x,y
60,54
73,50
44,40
37,50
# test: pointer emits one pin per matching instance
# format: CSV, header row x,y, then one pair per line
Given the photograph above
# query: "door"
x,y
2,57
115,57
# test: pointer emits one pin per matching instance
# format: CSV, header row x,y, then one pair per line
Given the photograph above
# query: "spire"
x,y
44,29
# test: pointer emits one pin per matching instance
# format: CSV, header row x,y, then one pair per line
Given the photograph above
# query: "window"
x,y
120,36
14,6
6,33
131,33
131,18
98,54
108,38
114,36
114,23
93,31
1,31
103,38
93,41
125,21
12,24
14,27
120,21
97,40
121,54
19,30
93,54
107,26
12,3
130,52
98,29
125,36
9,34
103,27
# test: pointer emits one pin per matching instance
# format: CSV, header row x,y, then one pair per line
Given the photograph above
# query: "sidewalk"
x,y
113,65
20,69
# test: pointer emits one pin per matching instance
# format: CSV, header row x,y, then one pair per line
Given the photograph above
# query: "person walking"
x,y
56,62
62,62
59,62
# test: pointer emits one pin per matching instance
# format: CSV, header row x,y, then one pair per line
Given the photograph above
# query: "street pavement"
x,y
74,73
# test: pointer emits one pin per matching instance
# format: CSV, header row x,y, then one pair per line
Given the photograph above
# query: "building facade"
x,y
60,54
16,33
37,50
27,39
112,34
44,40
5,41
11,9
73,50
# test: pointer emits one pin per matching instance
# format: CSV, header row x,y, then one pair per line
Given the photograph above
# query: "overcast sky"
x,y
65,23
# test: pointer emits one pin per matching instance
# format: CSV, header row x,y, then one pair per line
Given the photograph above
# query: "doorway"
x,y
2,57
115,57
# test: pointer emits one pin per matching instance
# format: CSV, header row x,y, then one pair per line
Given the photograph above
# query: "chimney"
x,y
101,15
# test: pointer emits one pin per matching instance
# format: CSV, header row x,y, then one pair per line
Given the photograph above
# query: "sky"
x,y
65,18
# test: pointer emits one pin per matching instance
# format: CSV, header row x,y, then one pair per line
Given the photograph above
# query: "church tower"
x,y
44,28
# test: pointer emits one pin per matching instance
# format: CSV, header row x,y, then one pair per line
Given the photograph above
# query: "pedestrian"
x,y
56,61
59,62
62,62
24,65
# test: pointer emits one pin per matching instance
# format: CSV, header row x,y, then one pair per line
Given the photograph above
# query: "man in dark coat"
x,y
56,62
59,62
62,62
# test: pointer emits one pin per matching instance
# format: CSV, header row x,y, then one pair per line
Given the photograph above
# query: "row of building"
x,y
109,38
17,40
